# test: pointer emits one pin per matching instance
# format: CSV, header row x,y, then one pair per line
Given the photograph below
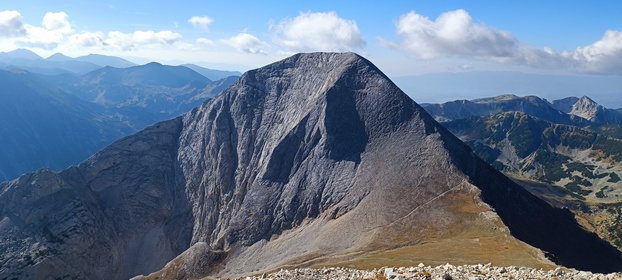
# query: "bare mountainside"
x,y
318,159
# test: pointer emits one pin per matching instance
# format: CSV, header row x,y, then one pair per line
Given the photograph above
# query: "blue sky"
x,y
401,37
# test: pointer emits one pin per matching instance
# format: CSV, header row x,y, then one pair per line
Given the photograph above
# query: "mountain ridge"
x,y
433,87
308,159
532,105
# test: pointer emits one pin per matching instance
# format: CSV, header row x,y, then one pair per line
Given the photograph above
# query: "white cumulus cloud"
x,y
165,37
455,34
201,22
57,22
11,24
452,34
55,27
120,41
42,38
140,39
87,39
318,32
603,56
245,42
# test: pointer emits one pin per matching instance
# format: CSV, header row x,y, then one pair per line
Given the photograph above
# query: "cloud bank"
x,y
56,29
603,56
454,34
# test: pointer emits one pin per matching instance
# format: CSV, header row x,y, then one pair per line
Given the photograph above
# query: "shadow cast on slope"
x,y
532,220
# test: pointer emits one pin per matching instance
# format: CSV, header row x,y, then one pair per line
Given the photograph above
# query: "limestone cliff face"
x,y
284,144
318,158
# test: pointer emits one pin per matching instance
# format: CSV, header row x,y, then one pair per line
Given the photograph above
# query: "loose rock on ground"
x,y
447,271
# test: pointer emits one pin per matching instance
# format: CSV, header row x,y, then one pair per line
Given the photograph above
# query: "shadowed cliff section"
x,y
316,159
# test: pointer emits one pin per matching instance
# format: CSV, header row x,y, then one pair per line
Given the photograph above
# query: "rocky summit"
x,y
315,160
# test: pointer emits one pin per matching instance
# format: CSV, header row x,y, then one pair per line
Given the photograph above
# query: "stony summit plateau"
x,y
315,160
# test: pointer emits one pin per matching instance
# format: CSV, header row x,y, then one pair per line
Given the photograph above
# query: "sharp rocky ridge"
x,y
317,158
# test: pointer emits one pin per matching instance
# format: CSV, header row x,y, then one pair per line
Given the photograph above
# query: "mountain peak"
x,y
587,109
153,63
21,54
499,98
564,104
585,100
58,57
331,61
319,60
104,60
303,161
319,69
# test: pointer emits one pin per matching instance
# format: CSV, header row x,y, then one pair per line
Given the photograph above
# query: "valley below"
x,y
567,152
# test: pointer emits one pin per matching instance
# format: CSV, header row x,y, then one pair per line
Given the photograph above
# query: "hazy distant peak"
x,y
104,60
153,64
586,99
564,104
58,57
212,74
587,109
21,53
503,97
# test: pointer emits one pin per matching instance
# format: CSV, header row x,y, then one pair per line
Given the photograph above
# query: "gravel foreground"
x,y
445,272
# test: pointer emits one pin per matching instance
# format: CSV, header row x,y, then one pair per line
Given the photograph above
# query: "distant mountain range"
x,y
56,120
532,138
447,86
159,90
572,144
212,74
531,105
59,63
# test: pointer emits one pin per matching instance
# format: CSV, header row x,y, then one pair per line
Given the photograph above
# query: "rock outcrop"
x,y
316,159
